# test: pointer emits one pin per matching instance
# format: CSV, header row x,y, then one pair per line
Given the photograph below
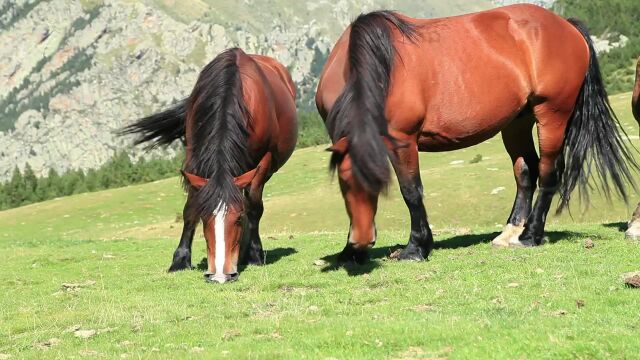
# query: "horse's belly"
x,y
434,141
462,123
443,135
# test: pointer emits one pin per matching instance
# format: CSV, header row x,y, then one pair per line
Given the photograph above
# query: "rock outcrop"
x,y
71,72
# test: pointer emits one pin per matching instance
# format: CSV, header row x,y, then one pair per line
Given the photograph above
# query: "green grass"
x,y
469,301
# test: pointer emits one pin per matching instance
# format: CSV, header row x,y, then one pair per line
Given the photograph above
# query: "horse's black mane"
x,y
219,118
359,112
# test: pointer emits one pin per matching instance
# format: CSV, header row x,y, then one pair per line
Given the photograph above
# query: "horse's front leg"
x,y
406,165
253,254
182,255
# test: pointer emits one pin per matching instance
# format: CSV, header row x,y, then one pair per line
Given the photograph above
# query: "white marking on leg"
x,y
502,240
221,249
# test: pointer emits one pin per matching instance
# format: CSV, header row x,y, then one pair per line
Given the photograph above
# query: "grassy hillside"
x,y
86,276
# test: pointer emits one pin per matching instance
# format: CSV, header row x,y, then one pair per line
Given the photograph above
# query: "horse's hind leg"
x,y
408,171
253,254
182,255
633,228
518,141
552,122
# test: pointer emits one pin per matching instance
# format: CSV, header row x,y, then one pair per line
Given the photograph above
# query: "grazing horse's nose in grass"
x,y
362,240
221,278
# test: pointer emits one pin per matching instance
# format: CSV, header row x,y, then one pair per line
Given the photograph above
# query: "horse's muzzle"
x,y
356,245
220,279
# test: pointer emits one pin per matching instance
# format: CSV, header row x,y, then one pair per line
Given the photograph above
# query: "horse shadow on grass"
x,y
620,226
463,241
271,257
376,255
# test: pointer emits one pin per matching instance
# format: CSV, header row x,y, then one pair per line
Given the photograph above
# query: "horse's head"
x,y
361,203
223,231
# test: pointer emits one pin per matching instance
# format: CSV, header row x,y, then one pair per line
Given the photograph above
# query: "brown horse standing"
x,y
633,230
239,126
394,85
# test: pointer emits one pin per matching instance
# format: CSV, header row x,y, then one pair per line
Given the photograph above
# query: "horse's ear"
x,y
245,179
195,180
340,146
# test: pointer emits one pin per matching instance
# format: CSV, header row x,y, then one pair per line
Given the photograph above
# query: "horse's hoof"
x,y
632,236
500,243
179,267
521,244
181,260
410,255
256,258
510,234
524,243
352,256
633,232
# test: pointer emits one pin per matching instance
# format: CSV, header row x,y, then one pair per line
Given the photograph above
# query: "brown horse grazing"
x,y
239,126
394,86
633,230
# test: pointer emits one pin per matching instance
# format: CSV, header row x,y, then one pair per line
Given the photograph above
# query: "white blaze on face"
x,y
220,213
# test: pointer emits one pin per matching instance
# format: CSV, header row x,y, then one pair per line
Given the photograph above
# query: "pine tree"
x,y
69,182
4,201
42,189
30,185
81,182
54,184
16,189
92,180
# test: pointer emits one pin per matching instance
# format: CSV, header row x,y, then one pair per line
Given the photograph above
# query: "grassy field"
x,y
85,276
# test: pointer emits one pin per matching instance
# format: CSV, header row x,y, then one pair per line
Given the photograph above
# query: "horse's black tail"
x,y
159,129
359,112
593,138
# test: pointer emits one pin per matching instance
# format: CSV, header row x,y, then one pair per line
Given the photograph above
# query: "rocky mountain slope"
x,y
71,72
